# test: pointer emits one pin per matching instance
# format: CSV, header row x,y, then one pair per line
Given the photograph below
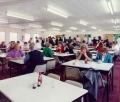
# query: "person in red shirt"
x,y
100,46
60,48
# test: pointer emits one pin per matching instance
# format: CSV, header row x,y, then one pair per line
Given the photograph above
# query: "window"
x,y
2,36
27,37
13,36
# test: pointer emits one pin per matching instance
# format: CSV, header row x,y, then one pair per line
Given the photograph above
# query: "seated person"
x,y
25,46
11,45
33,58
60,47
3,45
84,54
38,45
15,53
47,51
69,48
104,56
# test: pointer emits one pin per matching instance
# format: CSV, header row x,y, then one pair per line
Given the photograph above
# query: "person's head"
x,y
104,51
31,46
60,44
37,41
25,43
3,43
17,47
18,42
83,48
83,41
47,44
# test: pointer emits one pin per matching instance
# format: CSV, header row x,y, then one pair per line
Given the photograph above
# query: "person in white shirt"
x,y
38,45
116,48
78,39
25,47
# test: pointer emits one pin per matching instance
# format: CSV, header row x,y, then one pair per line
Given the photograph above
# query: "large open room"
x,y
59,50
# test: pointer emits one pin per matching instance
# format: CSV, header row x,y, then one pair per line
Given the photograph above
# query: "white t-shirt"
x,y
78,39
38,46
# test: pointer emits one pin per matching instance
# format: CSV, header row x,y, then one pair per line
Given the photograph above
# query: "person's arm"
x,y
27,57
51,53
110,59
79,56
87,57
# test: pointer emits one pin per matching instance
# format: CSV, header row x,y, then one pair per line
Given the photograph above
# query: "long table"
x,y
18,64
19,89
102,67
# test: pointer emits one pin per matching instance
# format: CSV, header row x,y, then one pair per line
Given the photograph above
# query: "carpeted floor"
x,y
114,95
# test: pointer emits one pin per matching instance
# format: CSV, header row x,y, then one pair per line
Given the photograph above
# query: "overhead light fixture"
x,y
110,6
116,27
56,24
35,25
115,21
68,31
93,27
55,29
99,30
3,20
57,11
73,28
16,26
83,31
82,22
19,15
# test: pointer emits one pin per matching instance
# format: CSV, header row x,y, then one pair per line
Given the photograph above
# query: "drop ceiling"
x,y
93,12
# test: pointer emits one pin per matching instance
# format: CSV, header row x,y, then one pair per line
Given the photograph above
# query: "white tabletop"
x,y
94,65
21,61
3,55
62,54
19,89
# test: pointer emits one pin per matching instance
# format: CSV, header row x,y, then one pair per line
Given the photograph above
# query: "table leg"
x,y
107,88
63,76
112,78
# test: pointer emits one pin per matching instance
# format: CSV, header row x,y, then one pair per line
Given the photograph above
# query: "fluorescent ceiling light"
x,y
116,27
55,29
19,15
73,28
57,11
83,30
99,30
35,25
16,26
83,22
3,20
93,27
56,24
68,31
110,6
115,21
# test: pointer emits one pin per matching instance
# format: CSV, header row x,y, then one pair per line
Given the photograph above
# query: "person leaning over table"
x,y
15,53
33,58
84,54
47,51
104,56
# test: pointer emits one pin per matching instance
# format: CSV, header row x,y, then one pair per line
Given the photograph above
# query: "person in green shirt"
x,y
47,51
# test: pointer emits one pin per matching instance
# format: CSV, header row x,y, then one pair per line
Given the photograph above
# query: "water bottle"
x,y
39,80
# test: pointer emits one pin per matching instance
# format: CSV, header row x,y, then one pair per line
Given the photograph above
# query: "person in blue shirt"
x,y
104,56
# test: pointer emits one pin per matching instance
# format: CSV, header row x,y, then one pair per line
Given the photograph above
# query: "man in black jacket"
x,y
33,58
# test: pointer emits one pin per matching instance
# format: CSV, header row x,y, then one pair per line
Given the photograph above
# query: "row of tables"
x,y
54,90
